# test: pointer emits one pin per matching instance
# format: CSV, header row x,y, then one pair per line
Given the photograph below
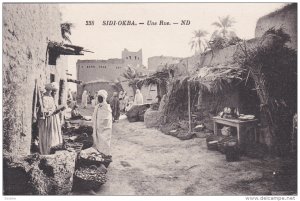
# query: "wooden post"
x,y
189,108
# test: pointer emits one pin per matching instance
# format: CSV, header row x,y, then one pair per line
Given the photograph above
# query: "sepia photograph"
x,y
149,99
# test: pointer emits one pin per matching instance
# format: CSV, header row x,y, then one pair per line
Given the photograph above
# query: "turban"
x,y
52,86
48,86
102,93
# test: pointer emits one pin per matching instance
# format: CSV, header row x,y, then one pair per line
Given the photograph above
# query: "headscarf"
x,y
138,91
52,86
103,93
115,94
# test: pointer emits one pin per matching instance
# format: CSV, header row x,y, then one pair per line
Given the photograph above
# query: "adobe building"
x,y
133,59
25,63
107,72
158,62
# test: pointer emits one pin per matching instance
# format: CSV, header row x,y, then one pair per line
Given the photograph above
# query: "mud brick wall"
x,y
285,18
26,31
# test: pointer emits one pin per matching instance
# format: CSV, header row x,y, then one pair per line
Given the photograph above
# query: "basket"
x,y
77,146
86,162
222,143
232,151
88,179
212,142
212,145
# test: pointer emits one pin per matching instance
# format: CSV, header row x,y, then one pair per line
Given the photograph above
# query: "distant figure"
x,y
75,114
102,124
115,106
88,97
157,99
129,104
75,96
84,99
70,97
125,100
138,99
121,99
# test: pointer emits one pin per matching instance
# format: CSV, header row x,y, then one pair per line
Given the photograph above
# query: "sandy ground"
x,y
148,162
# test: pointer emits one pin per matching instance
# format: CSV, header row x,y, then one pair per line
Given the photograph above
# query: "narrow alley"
x,y
148,162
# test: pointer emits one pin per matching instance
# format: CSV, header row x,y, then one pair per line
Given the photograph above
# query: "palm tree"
x,y
224,24
66,29
198,43
133,77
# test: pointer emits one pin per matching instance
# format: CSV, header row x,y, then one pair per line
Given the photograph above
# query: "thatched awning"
x,y
56,49
74,81
215,79
159,77
99,81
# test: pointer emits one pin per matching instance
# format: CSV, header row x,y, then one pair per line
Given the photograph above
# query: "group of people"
x,y
49,124
119,102
88,98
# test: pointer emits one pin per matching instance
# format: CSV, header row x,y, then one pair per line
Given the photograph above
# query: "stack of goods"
x,y
89,178
94,158
225,144
68,144
76,146
85,139
229,113
91,169
85,129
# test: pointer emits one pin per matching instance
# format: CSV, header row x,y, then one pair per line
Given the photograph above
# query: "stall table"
x,y
242,126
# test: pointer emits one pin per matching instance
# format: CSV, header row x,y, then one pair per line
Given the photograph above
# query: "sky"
x,y
109,41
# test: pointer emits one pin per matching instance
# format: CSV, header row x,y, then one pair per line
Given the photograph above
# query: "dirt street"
x,y
148,162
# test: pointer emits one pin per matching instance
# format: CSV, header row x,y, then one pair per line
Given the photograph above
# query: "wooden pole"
x,y
189,107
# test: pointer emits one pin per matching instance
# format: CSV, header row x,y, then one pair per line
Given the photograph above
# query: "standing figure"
x,y
88,97
138,99
121,99
115,106
102,124
70,97
129,104
49,127
126,99
84,99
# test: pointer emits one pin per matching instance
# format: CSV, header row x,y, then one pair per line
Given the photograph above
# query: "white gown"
x,y
49,128
102,128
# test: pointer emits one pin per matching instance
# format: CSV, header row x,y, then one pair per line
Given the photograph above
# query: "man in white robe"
x,y
84,99
102,124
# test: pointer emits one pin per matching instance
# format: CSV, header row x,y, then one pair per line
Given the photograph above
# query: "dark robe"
x,y
115,107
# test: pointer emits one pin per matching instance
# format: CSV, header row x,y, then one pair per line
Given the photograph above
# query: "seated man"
x,y
75,114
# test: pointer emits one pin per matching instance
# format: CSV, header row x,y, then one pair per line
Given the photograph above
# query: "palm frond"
x,y
217,24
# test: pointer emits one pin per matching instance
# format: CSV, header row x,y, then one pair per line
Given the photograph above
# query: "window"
x,y
126,57
130,57
134,57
